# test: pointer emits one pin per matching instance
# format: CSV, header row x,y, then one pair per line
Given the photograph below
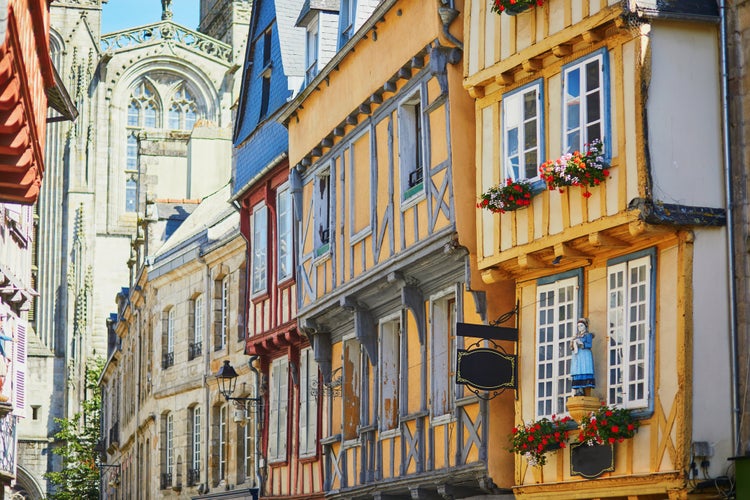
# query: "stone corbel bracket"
x,y
412,298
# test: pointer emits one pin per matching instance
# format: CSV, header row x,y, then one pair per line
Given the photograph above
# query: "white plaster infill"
x,y
167,32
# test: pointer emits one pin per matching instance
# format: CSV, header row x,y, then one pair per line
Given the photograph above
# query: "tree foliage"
x,y
77,439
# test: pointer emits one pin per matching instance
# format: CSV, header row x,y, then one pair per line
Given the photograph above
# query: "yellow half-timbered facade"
x,y
382,157
641,254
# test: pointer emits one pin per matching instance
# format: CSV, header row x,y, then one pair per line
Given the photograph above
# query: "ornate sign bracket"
x,y
484,366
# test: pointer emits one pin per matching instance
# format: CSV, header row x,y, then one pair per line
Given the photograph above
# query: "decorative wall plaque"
x,y
591,461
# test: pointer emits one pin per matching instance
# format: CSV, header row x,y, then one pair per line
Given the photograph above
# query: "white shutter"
x,y
273,414
19,370
283,403
304,395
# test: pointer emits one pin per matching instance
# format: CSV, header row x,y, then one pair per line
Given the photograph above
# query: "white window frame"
x,y
222,442
196,436
629,307
170,330
308,403
169,443
198,319
412,145
569,141
515,119
285,225
248,438
443,355
224,310
260,249
277,415
553,353
389,373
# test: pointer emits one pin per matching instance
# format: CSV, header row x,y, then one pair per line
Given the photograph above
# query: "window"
x,y
322,213
411,146
284,223
267,47
557,313
167,325
195,348
583,102
222,443
278,409
311,51
347,18
443,356
221,312
195,447
351,388
131,193
390,358
308,404
143,108
260,248
629,349
183,110
167,450
522,126
248,461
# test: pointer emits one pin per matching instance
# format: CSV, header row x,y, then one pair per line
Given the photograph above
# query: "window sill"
x,y
331,439
308,458
322,252
444,419
412,195
389,434
351,443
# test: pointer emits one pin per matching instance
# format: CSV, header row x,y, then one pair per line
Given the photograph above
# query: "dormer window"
x,y
311,52
347,18
411,146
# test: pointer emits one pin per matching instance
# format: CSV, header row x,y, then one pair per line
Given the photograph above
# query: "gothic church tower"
x,y
154,123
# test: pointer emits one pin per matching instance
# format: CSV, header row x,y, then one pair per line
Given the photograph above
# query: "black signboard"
x,y
591,461
486,332
486,369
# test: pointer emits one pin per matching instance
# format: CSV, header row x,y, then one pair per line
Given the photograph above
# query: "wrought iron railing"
x,y
167,31
8,445
167,360
195,349
166,480
193,477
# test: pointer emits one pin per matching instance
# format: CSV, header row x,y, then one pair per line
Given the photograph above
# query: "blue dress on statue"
x,y
582,364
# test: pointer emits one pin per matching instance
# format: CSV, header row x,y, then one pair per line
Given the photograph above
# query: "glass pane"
x,y
511,145
531,164
174,118
149,116
592,75
133,115
593,111
529,134
574,118
529,105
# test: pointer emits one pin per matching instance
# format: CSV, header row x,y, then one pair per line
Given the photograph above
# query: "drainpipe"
x,y
258,424
448,14
733,340
207,372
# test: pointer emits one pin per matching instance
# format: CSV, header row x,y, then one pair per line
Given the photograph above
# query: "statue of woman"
x,y
582,364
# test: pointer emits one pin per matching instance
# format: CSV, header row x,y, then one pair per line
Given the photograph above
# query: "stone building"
x,y
168,431
155,124
29,86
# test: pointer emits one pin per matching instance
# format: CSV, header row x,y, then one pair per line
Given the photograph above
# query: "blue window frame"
x,y
523,132
586,101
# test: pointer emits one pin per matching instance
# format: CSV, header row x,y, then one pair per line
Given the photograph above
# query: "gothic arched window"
x,y
143,109
183,110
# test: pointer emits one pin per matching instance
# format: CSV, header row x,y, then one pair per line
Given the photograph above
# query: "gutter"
x,y
239,194
258,425
733,340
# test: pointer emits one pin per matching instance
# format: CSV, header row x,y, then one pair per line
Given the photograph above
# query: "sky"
x,y
123,14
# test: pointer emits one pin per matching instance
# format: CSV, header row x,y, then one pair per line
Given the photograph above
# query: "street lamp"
x,y
227,377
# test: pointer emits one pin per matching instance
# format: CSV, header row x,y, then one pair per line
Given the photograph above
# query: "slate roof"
x,y
679,9
212,220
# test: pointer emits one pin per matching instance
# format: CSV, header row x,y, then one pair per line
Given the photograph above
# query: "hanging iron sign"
x,y
484,369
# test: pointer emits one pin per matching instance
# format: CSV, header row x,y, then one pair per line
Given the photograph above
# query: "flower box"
x,y
514,7
534,439
576,169
506,197
608,425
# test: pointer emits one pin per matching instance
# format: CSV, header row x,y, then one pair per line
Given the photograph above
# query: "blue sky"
x,y
123,14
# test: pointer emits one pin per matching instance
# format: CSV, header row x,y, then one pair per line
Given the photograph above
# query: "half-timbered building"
x,y
642,253
381,156
287,420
